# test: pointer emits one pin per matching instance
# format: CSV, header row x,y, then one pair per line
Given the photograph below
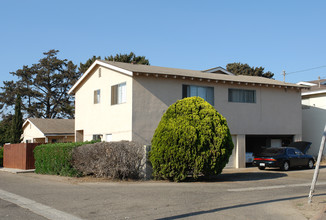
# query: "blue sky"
x,y
278,35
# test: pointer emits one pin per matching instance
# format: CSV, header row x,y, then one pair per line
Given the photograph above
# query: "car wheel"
x,y
285,166
261,168
311,164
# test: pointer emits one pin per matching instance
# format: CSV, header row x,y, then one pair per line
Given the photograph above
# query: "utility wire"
x,y
299,71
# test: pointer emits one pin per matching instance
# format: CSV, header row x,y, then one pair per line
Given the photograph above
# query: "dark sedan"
x,y
284,158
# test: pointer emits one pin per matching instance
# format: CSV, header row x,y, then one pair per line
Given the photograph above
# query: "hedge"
x,y
192,138
55,158
117,160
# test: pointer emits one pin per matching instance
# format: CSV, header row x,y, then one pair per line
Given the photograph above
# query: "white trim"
x,y
306,84
98,62
313,92
218,69
35,207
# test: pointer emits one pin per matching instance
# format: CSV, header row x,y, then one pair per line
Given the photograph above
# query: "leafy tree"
x,y
245,69
192,138
17,122
5,129
125,58
43,88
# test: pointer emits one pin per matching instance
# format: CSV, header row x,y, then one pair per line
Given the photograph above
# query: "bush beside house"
x,y
56,159
117,160
192,138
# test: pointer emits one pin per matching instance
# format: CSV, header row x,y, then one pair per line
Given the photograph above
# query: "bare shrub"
x,y
118,160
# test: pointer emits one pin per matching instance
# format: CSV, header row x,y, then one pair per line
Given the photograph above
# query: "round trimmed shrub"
x,y
192,138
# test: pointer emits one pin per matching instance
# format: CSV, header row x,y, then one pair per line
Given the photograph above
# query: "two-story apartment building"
x,y
314,113
119,101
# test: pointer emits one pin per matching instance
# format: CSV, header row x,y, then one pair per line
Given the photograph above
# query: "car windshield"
x,y
271,152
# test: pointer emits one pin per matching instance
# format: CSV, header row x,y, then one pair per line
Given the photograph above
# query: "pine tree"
x,y
17,122
43,88
245,69
125,58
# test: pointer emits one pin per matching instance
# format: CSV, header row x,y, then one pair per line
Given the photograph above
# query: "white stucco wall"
x,y
103,118
313,121
30,132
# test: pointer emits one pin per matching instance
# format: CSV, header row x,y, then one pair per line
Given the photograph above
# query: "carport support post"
x,y
314,180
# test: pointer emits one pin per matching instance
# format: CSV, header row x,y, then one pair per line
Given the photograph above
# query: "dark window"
x,y
271,152
291,152
205,92
242,95
297,152
96,137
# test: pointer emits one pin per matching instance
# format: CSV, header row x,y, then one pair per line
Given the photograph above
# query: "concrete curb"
x,y
16,171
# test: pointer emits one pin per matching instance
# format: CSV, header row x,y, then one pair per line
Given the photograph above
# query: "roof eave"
x,y
313,92
238,82
98,62
58,134
29,121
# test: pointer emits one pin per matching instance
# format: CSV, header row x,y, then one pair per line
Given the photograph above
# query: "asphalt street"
x,y
236,194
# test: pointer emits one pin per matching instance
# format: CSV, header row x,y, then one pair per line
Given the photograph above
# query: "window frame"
x,y
119,93
97,96
98,137
241,99
186,92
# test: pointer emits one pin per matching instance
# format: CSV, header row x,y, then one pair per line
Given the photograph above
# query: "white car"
x,y
249,157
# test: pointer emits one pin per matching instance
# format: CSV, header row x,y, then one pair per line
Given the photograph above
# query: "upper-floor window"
x,y
97,96
242,95
119,93
205,92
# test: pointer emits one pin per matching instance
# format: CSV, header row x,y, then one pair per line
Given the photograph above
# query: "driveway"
x,y
235,194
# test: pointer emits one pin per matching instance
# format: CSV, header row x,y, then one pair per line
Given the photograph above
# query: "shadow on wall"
x,y
162,92
313,123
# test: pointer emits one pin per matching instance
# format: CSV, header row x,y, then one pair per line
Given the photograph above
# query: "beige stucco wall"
x,y
103,118
276,111
30,132
313,121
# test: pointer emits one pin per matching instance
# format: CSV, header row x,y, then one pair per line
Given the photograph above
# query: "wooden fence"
x,y
19,156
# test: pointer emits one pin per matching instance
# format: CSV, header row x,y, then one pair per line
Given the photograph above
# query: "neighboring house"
x,y
39,130
313,113
120,101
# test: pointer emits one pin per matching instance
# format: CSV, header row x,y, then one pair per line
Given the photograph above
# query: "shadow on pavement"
x,y
293,169
235,206
243,176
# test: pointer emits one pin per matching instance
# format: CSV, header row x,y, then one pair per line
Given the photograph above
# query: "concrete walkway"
x,y
13,170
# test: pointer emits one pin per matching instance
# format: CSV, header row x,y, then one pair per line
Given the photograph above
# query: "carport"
x,y
255,143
